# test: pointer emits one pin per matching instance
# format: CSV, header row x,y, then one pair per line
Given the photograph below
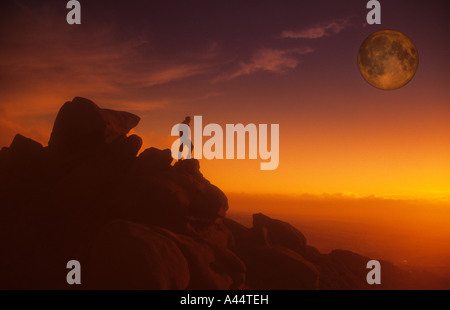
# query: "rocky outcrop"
x,y
211,266
144,222
153,159
275,232
127,255
273,252
81,124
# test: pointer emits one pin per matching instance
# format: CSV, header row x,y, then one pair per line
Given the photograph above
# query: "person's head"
x,y
187,120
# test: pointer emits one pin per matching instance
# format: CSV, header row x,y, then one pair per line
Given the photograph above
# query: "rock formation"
x,y
141,222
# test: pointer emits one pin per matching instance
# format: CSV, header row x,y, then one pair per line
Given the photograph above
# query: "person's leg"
x,y
191,148
180,153
189,156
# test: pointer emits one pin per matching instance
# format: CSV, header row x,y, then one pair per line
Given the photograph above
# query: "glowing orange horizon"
x,y
313,159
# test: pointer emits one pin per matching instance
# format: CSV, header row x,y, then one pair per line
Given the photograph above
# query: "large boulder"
x,y
126,147
22,170
277,268
23,146
22,153
211,266
153,159
213,231
206,200
276,232
240,232
126,255
81,124
211,202
272,251
189,166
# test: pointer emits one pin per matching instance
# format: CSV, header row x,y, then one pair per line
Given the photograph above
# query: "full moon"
x,y
388,59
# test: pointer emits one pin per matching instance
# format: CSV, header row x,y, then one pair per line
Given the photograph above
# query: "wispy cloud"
x,y
45,63
104,64
269,60
318,31
171,74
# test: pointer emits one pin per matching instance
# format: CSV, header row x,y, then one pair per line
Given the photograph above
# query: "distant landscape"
x,y
409,233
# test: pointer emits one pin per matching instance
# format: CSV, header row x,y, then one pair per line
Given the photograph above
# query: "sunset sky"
x,y
291,63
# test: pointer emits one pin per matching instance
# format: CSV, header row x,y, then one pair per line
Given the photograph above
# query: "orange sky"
x,y
337,133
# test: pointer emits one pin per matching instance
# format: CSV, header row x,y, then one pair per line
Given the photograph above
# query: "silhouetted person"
x,y
186,121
